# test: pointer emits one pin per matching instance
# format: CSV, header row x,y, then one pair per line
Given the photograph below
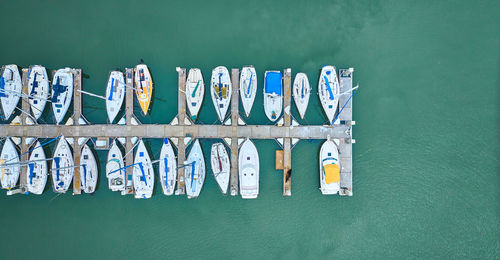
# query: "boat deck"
x,y
182,128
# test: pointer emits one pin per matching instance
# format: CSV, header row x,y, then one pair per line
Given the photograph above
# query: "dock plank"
x,y
235,81
181,148
345,144
287,146
129,112
77,112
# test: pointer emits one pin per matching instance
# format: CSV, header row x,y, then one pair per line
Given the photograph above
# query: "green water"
x,y
426,160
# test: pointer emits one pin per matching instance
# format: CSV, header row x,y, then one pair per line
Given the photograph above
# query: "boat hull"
x,y
248,88
9,174
195,90
143,87
37,170
328,88
194,171
221,166
10,89
143,175
329,168
301,93
221,90
114,169
62,168
89,173
168,168
115,93
62,93
38,88
273,95
248,170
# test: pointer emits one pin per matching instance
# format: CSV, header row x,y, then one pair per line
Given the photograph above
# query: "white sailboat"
x,y
328,91
195,90
195,171
248,169
301,92
219,160
115,171
115,93
248,88
143,175
62,93
88,170
62,168
168,168
9,165
10,89
37,171
273,95
38,88
221,90
329,168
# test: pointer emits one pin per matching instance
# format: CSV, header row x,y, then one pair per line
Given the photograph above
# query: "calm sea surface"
x,y
426,161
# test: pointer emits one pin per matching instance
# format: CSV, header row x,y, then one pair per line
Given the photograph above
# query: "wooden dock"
x,y
182,127
25,105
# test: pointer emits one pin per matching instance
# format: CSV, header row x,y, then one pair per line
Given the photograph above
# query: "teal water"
x,y
426,161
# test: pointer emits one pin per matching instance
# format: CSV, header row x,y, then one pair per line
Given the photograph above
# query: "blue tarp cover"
x,y
272,83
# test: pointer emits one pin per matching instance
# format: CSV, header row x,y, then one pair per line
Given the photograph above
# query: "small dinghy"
x,y
115,93
115,171
88,170
143,87
328,89
219,160
195,90
301,93
38,88
195,171
37,170
62,93
9,163
62,169
248,164
329,168
168,168
248,88
220,89
273,95
143,175
10,89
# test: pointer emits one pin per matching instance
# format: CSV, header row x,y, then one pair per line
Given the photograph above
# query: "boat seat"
x,y
332,173
223,90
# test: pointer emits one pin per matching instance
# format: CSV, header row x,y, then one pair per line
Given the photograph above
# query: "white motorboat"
x,y
195,90
115,171
301,92
38,88
168,168
62,168
9,165
329,168
248,168
248,88
273,95
115,93
221,166
62,93
221,90
10,89
37,170
143,176
328,91
144,87
89,172
194,171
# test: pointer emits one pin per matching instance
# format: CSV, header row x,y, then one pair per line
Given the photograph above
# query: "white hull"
x,y
221,166
221,89
114,169
62,93
327,96
62,168
195,90
115,93
10,89
143,175
329,155
168,168
37,170
195,171
301,93
273,98
248,88
38,88
248,169
9,174
88,170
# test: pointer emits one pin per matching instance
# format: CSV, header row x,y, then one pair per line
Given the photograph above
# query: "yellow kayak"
x,y
143,86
